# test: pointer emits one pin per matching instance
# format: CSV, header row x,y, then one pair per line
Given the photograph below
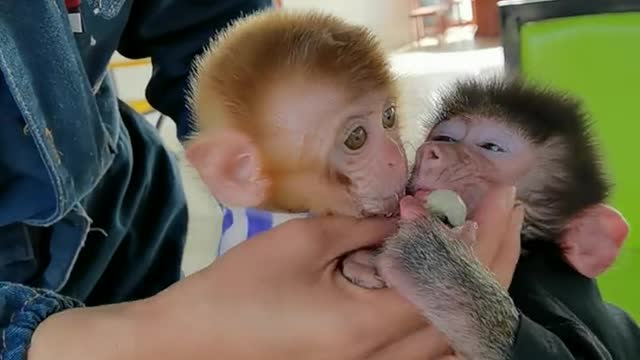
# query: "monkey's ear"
x,y
228,162
592,240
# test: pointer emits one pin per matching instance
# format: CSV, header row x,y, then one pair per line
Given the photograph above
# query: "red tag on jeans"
x,y
75,17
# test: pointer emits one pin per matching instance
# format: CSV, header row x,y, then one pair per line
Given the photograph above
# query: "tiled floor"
x,y
422,71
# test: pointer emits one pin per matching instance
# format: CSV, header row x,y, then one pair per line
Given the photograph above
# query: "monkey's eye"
x,y
356,139
444,138
389,117
491,147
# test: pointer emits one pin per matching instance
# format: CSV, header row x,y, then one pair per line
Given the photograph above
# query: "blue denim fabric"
x,y
33,307
91,204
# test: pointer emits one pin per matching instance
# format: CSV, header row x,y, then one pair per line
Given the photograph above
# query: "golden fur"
x,y
255,52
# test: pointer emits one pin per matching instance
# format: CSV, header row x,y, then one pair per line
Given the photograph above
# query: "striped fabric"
x,y
239,224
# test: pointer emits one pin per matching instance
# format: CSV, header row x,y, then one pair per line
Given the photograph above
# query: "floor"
x,y
422,68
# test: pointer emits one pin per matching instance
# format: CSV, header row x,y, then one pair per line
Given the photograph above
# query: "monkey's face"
x,y
467,155
345,151
368,159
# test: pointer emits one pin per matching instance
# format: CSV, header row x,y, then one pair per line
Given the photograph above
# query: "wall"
x,y
388,19
130,81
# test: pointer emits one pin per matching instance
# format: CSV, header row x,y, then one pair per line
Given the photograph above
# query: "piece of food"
x,y
448,206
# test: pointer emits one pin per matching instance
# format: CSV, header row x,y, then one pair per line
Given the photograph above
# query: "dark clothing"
x,y
563,315
92,209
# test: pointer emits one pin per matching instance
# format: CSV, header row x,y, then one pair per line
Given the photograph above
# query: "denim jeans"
x,y
92,209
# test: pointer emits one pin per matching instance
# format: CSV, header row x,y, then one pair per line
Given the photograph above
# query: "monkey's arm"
x,y
172,33
555,313
440,275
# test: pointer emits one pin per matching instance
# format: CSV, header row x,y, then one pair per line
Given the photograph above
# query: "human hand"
x,y
497,246
276,296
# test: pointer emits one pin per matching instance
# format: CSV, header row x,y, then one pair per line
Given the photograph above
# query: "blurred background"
x,y
589,48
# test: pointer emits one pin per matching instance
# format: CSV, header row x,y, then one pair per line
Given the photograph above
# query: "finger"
x,y
425,344
341,235
505,262
364,257
398,319
320,239
492,218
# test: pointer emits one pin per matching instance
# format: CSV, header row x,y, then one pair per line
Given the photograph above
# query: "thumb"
x,y
342,235
496,206
322,239
506,259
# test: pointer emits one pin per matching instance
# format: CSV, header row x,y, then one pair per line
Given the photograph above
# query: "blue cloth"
x,y
240,224
91,204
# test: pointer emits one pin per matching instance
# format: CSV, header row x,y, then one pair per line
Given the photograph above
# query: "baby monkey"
x,y
295,112
498,131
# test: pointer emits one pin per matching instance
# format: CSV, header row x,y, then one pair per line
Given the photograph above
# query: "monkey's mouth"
x,y
388,207
421,194
388,214
385,214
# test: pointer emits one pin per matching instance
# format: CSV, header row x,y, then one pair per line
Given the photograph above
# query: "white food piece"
x,y
447,203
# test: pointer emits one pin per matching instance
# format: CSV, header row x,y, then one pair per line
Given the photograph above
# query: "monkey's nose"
x,y
431,156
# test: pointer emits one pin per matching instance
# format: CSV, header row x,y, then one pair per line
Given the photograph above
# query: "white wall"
x,y
131,82
388,19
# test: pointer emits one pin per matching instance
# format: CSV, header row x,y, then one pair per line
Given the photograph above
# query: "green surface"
x,y
597,58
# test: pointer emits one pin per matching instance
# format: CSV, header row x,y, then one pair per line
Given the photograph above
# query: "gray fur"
x,y
452,289
440,273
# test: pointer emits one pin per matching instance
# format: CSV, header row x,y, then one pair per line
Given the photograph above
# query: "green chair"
x,y
591,48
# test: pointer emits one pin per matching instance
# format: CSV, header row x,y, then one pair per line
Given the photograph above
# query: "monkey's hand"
x,y
360,268
434,267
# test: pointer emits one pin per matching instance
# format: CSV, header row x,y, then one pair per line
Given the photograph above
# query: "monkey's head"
x,y
502,131
295,111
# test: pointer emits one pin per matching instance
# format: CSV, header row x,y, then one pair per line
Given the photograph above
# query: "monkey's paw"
x,y
359,268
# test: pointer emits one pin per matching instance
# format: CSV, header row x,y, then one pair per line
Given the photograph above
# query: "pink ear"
x,y
228,163
593,239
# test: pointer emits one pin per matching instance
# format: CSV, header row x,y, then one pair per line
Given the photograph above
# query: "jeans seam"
x,y
35,130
